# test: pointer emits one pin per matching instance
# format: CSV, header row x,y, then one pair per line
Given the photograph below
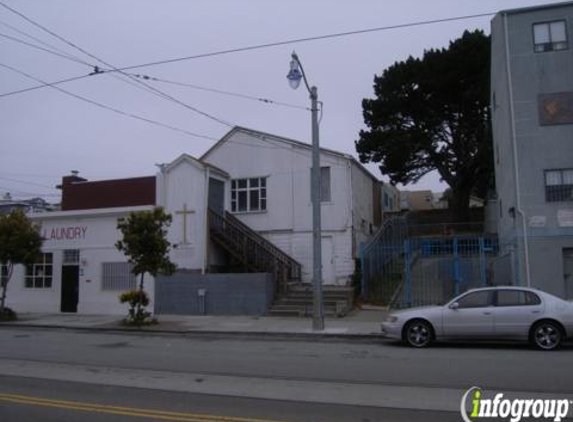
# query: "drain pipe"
x,y
519,208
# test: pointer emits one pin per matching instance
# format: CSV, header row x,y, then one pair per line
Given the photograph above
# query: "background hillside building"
x,y
532,111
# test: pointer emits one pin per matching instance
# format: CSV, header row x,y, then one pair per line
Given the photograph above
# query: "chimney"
x,y
67,182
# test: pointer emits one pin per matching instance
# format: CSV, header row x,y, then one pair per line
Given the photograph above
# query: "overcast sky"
x,y
46,133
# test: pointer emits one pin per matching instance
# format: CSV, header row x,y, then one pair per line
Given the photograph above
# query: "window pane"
x,y
254,183
242,200
263,182
254,200
48,282
263,204
532,298
242,183
552,178
234,206
568,177
263,193
509,298
233,195
541,33
558,33
233,184
475,300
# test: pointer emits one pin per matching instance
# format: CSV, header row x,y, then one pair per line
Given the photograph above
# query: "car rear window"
x,y
516,298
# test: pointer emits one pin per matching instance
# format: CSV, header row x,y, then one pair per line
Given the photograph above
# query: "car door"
x,y
515,312
470,316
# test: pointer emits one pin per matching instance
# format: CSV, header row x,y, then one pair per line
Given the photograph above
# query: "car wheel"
x,y
418,333
546,335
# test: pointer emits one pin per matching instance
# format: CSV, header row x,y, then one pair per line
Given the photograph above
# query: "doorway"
x,y
70,280
70,288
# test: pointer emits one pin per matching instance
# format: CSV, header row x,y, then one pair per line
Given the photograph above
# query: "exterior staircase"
x,y
253,253
297,301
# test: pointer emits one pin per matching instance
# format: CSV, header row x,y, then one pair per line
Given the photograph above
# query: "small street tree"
x,y
145,244
433,114
20,243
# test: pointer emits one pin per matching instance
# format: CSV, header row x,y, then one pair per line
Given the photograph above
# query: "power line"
x,y
157,79
307,39
104,106
149,87
268,45
65,56
26,183
222,92
45,44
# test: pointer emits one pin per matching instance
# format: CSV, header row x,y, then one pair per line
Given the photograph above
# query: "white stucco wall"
x,y
287,222
94,235
185,185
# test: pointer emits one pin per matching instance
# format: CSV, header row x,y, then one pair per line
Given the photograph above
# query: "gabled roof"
x,y
262,135
195,162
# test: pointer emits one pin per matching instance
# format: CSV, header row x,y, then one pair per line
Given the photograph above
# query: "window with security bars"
x,y
559,185
40,274
117,276
550,36
71,257
249,195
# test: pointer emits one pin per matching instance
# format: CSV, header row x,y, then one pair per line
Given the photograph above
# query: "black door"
x,y
217,196
70,288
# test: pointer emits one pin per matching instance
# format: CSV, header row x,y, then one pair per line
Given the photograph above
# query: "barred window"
x,y
559,185
39,275
71,257
550,36
117,276
248,195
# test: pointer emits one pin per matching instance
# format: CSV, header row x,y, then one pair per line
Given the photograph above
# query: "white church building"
x,y
247,199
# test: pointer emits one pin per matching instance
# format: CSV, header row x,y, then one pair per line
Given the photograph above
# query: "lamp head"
x,y
294,75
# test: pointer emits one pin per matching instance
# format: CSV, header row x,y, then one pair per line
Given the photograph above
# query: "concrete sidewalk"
x,y
360,323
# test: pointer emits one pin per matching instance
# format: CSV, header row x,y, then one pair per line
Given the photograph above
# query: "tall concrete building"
x,y
532,112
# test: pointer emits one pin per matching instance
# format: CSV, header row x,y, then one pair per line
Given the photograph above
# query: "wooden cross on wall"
x,y
185,212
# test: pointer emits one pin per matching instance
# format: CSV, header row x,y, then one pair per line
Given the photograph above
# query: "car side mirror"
x,y
454,306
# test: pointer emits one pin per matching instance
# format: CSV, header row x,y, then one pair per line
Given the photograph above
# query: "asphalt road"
x,y
64,375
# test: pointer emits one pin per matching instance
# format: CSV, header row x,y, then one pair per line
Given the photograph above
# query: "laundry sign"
x,y
65,233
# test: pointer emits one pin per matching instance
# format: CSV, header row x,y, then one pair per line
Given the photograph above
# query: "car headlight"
x,y
391,318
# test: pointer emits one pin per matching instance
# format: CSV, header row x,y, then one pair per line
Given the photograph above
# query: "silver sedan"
x,y
491,313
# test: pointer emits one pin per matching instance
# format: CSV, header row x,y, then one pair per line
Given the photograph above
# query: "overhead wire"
x,y
267,45
104,106
115,69
158,79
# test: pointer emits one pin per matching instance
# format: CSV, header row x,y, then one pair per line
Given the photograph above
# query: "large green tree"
x,y
433,114
144,242
20,243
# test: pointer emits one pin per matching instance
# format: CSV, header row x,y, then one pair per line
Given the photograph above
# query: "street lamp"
x,y
294,76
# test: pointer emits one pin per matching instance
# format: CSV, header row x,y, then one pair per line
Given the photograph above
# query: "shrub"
x,y
8,314
137,301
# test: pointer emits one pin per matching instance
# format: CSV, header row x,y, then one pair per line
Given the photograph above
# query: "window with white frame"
x,y
40,274
117,276
249,195
550,36
559,185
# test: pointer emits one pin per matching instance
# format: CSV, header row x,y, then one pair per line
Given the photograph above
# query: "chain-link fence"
x,y
413,265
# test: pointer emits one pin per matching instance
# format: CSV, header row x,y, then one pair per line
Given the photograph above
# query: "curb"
x,y
207,333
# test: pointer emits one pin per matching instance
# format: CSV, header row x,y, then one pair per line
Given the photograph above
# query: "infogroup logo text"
x,y
513,410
